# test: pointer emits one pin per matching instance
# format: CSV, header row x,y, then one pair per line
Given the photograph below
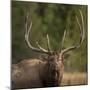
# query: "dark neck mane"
x,y
51,75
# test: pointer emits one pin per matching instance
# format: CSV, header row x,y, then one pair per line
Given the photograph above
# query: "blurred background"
x,y
51,19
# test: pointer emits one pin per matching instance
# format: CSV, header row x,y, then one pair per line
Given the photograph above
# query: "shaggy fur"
x,y
36,73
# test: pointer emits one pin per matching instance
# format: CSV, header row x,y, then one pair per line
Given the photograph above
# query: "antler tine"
x,y
41,47
81,35
26,18
63,40
48,44
41,50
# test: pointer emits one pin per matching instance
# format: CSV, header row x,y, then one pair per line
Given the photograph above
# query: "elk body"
x,y
34,73
37,73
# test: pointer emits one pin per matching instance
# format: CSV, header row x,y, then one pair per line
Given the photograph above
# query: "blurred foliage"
x,y
51,19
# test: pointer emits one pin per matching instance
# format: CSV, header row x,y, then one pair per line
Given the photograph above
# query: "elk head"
x,y
55,60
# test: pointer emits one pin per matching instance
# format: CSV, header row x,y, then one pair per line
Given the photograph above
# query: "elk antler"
x,y
81,35
48,44
39,49
63,40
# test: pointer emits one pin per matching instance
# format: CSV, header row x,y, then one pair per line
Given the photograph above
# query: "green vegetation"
x,y
52,19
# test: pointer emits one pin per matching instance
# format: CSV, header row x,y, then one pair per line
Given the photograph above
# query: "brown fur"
x,y
36,73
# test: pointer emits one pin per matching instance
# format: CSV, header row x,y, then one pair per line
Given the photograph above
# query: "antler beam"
x,y
39,49
82,36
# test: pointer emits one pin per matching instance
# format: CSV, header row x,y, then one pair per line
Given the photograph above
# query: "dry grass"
x,y
74,79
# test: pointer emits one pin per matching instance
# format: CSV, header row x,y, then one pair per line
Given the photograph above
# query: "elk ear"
x,y
43,57
66,56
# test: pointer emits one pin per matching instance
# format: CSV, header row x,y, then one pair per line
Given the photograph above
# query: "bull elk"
x,y
37,73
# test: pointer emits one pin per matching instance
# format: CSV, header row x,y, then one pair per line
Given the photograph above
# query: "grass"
x,y
75,78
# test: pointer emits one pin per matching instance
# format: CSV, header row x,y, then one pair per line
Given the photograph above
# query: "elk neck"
x,y
52,71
